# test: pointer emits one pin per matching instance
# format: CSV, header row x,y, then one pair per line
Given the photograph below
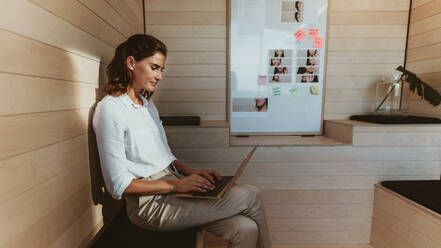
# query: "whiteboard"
x,y
277,58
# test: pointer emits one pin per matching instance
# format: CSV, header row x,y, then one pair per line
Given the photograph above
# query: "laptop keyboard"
x,y
219,186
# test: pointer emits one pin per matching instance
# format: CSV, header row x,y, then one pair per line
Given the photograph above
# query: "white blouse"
x,y
131,141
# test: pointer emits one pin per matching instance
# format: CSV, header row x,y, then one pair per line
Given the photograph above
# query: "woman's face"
x,y
307,79
310,70
279,53
260,102
276,78
275,62
148,72
312,61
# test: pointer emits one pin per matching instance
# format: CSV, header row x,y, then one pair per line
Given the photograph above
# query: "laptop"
x,y
224,184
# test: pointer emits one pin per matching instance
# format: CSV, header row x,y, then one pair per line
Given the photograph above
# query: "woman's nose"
x,y
159,76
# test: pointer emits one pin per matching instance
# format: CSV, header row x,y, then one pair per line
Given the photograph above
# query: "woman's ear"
x,y
130,62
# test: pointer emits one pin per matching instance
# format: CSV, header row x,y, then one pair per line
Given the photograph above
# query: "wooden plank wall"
x,y
424,51
366,42
52,62
195,74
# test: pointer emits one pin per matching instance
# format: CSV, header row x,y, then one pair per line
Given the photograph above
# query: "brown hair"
x,y
139,46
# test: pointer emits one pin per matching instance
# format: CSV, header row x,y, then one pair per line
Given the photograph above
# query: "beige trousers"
x,y
238,218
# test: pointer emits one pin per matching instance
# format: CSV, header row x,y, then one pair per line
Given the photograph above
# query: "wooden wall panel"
x,y
32,206
40,165
24,133
211,17
19,17
373,5
366,42
53,94
110,15
202,83
425,25
44,61
80,16
328,168
57,221
196,35
188,31
54,55
190,5
373,18
424,57
74,236
128,15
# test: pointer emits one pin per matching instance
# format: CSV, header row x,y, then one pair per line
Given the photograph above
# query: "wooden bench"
x,y
407,214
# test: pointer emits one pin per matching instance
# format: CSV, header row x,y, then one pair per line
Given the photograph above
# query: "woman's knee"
x,y
245,190
244,230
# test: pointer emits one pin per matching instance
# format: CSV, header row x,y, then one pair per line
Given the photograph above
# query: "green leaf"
x,y
424,90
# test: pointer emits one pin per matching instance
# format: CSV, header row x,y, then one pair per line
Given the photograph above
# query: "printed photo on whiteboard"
x,y
307,79
308,61
290,17
280,65
291,11
279,70
307,70
261,80
292,6
250,104
277,78
273,61
280,53
308,53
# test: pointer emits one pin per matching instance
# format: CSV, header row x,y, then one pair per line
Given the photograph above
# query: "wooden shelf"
x,y
268,140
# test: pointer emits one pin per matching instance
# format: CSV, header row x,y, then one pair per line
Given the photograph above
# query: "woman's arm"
x,y
193,182
211,175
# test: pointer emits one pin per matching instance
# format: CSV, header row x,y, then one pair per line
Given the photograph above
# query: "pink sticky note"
x,y
312,33
300,34
261,80
318,43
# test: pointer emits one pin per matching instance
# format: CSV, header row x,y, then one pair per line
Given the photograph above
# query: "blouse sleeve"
x,y
108,126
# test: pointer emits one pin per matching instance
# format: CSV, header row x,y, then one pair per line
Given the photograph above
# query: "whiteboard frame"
x,y
228,88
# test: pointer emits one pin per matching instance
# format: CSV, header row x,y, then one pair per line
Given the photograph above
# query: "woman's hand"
x,y
194,182
212,175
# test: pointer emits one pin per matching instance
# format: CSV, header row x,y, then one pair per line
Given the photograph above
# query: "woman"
x,y
275,79
311,70
261,105
298,16
276,61
298,6
280,70
279,53
310,79
311,61
312,53
137,162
